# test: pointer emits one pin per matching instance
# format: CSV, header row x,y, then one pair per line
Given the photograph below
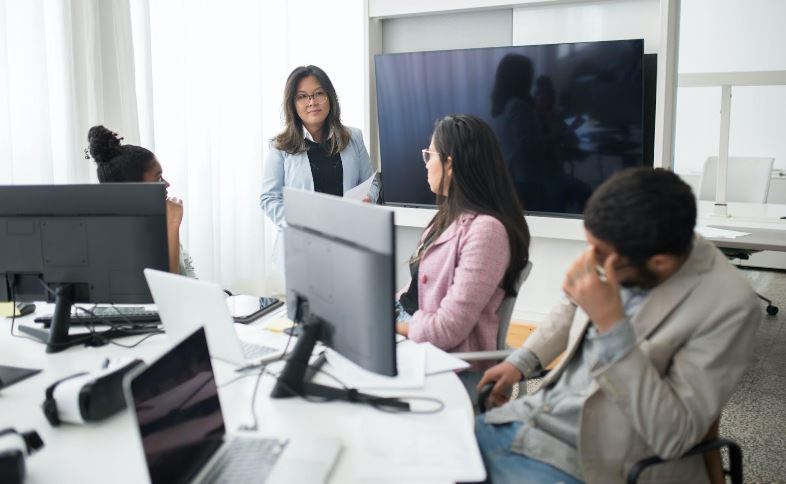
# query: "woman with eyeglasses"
x,y
315,151
473,250
117,163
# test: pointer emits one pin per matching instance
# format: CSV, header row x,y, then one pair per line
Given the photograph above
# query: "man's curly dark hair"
x,y
642,212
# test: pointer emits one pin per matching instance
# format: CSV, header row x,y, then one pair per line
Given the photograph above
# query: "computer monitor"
x,y
340,283
80,244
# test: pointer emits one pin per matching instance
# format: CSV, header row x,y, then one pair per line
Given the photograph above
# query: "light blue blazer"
x,y
284,169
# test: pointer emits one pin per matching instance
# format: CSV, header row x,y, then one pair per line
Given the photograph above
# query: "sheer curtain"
x,y
210,76
199,82
63,67
199,76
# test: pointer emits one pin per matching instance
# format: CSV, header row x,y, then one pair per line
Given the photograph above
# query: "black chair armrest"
x,y
735,459
483,395
485,391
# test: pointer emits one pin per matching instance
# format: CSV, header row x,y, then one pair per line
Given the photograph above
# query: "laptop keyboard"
x,y
246,460
252,351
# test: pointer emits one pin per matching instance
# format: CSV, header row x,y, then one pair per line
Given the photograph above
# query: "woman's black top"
x,y
409,300
327,170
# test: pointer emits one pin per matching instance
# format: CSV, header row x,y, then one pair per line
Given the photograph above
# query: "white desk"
x,y
109,451
754,215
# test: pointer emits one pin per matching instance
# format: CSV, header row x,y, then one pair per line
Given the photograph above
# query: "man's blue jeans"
x,y
504,466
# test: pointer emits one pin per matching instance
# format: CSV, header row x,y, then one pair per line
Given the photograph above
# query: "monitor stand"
x,y
294,381
57,338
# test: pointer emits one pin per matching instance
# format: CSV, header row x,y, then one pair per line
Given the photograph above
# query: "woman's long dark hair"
x,y
116,162
513,80
291,139
480,183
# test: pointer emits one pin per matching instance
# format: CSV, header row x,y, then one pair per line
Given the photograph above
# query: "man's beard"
x,y
644,278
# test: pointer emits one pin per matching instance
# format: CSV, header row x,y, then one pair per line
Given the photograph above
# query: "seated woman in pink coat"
x,y
472,251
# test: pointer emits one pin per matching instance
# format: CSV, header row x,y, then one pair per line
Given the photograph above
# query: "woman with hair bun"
x,y
117,163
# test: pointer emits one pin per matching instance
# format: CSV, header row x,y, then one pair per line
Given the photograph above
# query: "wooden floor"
x,y
519,331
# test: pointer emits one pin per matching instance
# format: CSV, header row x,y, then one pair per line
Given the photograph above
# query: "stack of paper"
x,y
411,359
438,361
419,448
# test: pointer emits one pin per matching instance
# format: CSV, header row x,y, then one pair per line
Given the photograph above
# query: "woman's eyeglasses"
x,y
319,97
428,154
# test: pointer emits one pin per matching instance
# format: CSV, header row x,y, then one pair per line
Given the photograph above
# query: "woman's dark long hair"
x,y
291,139
116,162
513,80
480,183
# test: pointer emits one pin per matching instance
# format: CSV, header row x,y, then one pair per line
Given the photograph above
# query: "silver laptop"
x,y
177,412
185,304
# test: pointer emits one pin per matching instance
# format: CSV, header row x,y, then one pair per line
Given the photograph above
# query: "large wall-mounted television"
x,y
567,116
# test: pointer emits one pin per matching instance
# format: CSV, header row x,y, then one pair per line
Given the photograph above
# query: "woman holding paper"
x,y
315,151
473,250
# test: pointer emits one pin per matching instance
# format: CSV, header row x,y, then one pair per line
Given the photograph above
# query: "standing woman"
x,y
473,250
117,163
315,151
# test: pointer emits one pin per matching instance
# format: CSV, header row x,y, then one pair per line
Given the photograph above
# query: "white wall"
x,y
728,36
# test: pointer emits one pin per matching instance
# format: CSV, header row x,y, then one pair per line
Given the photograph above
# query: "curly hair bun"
x,y
103,144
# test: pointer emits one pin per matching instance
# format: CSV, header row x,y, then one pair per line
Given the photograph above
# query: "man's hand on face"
x,y
599,299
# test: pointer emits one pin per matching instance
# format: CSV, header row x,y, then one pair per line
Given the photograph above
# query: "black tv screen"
x,y
566,116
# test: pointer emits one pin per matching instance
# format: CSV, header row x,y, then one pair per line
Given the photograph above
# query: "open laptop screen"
x,y
178,411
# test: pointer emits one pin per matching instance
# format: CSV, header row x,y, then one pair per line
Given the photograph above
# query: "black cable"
x,y
375,402
378,402
440,405
12,289
262,371
115,329
93,335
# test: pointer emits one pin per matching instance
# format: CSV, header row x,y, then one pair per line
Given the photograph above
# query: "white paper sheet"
x,y
712,232
411,360
359,192
438,361
419,448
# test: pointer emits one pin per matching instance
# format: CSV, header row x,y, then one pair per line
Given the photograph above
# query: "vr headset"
x,y
13,449
88,396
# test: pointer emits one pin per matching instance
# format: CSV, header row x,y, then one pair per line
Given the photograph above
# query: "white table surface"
x,y
753,215
109,451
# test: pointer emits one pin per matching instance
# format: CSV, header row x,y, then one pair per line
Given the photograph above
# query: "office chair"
x,y
709,448
504,313
750,176
751,184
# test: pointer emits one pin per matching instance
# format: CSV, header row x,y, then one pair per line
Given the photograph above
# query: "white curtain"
x,y
63,67
198,82
200,79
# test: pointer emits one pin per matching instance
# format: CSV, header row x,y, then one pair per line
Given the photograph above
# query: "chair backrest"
x,y
748,179
505,310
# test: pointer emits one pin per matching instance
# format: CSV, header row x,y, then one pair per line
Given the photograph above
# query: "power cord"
x,y
253,427
12,289
378,403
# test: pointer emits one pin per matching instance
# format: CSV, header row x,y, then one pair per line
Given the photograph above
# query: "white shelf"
x,y
543,227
